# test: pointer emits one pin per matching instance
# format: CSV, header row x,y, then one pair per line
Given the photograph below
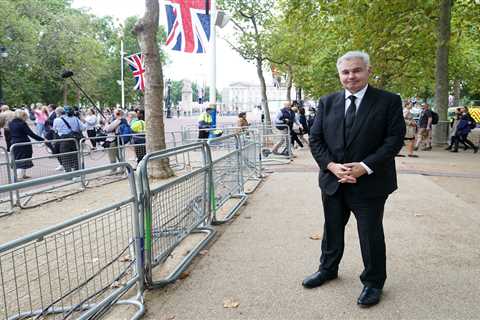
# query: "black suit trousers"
x,y
369,216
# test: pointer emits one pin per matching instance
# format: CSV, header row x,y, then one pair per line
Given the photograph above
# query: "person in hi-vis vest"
x,y
205,123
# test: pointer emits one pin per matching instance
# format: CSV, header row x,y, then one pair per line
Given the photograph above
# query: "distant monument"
x,y
186,104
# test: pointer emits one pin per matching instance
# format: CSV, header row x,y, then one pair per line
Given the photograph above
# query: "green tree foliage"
x,y
399,35
45,37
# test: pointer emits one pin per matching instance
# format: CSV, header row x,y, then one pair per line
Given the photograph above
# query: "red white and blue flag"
x,y
188,25
137,66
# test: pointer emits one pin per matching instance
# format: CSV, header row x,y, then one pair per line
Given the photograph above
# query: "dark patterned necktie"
x,y
350,116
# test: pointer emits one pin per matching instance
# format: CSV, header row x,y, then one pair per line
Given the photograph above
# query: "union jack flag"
x,y
188,25
137,66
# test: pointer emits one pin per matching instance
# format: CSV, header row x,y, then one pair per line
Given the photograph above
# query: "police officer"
x,y
205,123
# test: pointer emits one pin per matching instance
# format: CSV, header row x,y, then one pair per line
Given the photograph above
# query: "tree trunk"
x,y
263,89
146,31
441,70
289,83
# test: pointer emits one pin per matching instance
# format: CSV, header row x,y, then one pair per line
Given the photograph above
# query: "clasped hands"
x,y
347,172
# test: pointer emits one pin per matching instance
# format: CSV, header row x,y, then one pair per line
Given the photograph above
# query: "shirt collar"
x,y
359,95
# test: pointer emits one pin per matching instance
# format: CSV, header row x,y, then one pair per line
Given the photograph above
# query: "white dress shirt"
x,y
359,97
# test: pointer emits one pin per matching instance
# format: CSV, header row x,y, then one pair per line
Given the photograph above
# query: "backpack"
x,y
124,131
434,117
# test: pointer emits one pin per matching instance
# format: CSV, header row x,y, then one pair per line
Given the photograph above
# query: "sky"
x,y
230,66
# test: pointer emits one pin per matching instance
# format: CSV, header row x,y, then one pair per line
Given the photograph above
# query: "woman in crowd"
x,y
41,115
91,122
68,126
411,126
20,132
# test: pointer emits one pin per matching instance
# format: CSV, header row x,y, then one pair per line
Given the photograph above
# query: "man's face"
x,y
354,74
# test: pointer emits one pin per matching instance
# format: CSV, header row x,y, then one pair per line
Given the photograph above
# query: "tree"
x,y
146,30
250,19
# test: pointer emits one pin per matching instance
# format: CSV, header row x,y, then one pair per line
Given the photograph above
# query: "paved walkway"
x,y
260,259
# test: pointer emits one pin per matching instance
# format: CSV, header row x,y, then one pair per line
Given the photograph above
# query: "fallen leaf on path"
x,y
418,215
184,275
316,237
203,252
125,259
171,318
230,303
248,217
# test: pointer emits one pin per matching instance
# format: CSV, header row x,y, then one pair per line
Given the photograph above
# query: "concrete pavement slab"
x,y
262,257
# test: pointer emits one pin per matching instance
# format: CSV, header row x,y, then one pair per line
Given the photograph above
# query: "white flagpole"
x,y
121,72
213,53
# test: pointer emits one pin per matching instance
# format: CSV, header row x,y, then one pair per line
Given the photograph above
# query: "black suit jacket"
x,y
377,136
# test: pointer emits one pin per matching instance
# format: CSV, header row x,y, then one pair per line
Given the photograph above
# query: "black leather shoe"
x,y
317,279
369,297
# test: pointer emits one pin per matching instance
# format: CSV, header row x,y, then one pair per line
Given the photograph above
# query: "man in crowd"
x,y
354,139
205,123
425,129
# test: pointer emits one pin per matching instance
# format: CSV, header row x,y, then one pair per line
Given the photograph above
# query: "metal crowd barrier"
x,y
250,161
6,198
78,268
276,144
44,165
173,210
226,178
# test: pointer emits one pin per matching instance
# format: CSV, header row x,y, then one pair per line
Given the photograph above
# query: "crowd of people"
x,y
61,128
419,131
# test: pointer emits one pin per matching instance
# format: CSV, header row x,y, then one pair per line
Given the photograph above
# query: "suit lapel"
x,y
364,110
339,116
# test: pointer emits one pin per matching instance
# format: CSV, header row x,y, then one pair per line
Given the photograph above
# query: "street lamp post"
x,y
169,99
3,55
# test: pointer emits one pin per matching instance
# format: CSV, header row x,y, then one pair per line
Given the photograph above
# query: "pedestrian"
x,y
92,125
41,115
113,143
310,118
242,122
453,129
283,122
356,134
425,129
411,128
20,132
6,116
138,128
462,132
68,126
205,123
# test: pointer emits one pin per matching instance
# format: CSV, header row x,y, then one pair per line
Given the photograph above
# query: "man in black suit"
x,y
356,134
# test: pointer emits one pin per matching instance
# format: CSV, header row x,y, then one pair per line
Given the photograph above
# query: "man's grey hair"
x,y
354,55
59,111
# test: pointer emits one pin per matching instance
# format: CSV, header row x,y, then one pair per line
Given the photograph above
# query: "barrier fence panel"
x,y
76,269
6,198
250,161
44,164
276,144
173,210
101,151
226,179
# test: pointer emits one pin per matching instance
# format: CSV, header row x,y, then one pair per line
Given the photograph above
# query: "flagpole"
x,y
213,60
121,73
